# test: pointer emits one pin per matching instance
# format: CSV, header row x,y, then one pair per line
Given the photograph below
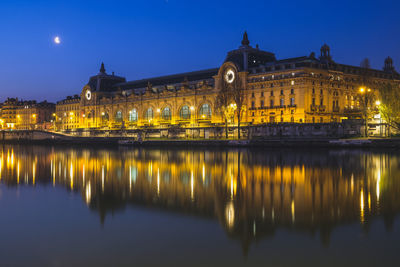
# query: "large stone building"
x,y
307,89
67,113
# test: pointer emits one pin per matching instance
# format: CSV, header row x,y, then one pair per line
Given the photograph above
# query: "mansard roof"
x,y
312,62
169,79
103,81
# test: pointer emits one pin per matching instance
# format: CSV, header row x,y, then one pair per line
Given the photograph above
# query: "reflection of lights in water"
x,y
362,206
88,193
71,175
378,181
158,181
1,165
8,158
273,215
292,209
369,201
12,158
102,178
231,187
204,173
254,228
192,186
83,174
352,183
130,178
230,215
33,173
17,172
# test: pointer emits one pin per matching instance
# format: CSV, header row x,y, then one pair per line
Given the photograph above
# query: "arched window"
x,y
149,114
166,113
205,111
184,113
133,115
118,116
104,116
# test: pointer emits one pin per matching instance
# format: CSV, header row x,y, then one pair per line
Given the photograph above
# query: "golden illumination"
x,y
362,206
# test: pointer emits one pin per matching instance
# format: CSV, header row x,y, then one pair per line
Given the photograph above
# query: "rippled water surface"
x,y
122,207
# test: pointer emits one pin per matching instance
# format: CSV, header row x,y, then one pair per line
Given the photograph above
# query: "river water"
x,y
62,206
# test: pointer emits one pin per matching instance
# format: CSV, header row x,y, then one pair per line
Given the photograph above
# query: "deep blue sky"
x,y
139,39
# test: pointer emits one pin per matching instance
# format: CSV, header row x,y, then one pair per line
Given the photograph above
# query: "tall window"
x,y
166,113
184,113
282,102
271,103
104,116
292,101
149,114
118,116
313,101
253,105
262,103
205,111
133,115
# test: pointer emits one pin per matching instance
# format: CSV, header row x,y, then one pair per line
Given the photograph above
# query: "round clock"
x,y
88,95
229,76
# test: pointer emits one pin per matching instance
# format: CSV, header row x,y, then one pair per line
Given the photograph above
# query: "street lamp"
x,y
367,98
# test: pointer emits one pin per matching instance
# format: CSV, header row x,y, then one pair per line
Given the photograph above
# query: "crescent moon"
x,y
57,40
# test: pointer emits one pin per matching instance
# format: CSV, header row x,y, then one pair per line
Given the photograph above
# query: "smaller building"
x,y
9,113
35,116
1,120
68,113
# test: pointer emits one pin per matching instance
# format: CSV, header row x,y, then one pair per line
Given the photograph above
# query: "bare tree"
x,y
222,102
239,98
365,64
389,106
367,103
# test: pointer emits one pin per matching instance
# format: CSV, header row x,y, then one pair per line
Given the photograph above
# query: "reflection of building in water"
x,y
251,193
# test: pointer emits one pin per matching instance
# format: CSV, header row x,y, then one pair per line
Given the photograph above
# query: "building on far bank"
x,y
306,89
9,113
1,120
67,113
35,116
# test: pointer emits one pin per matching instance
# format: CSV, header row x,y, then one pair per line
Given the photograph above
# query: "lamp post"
x,y
378,103
366,97
54,121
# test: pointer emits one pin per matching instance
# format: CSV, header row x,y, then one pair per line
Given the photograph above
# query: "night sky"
x,y
140,39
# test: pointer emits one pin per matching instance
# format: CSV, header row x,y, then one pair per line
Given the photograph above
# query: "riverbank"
x,y
57,139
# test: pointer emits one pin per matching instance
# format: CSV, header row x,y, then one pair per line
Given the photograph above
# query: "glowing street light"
x,y
378,103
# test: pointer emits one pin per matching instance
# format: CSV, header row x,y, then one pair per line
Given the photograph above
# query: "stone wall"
x,y
306,130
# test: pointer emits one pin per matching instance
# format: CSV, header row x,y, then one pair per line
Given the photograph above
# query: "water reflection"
x,y
251,193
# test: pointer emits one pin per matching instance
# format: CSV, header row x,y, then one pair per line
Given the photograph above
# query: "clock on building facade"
x,y
88,94
229,76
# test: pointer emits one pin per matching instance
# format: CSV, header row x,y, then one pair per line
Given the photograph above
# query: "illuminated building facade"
x,y
32,115
306,89
66,116
9,113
